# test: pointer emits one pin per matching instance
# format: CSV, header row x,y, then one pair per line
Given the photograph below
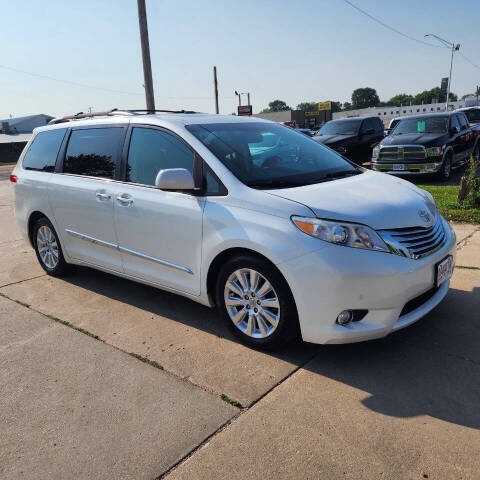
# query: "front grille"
x,y
415,242
402,154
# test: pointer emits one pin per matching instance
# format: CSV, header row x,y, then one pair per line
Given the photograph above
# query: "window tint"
x,y
454,122
43,151
463,120
93,152
154,150
368,123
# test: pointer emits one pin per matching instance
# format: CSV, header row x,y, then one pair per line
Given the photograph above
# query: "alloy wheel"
x,y
252,303
47,247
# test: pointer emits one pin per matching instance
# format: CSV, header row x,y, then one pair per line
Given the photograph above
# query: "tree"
x,y
364,98
307,106
347,106
400,99
276,106
427,96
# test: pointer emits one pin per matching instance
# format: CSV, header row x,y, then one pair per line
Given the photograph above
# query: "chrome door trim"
x,y
155,259
90,239
103,243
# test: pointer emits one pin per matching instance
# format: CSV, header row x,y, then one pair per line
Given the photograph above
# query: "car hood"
x,y
413,139
334,139
372,198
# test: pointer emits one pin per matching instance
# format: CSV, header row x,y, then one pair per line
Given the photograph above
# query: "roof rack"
x,y
113,111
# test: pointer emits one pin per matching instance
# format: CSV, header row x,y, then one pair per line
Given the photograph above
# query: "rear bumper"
x,y
335,278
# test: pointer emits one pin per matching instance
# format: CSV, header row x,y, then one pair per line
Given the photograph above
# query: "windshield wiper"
x,y
342,173
274,184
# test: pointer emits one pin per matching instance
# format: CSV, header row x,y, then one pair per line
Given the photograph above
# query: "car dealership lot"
x,y
74,406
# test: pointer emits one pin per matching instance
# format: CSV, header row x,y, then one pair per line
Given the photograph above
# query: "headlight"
x,y
346,234
376,151
434,151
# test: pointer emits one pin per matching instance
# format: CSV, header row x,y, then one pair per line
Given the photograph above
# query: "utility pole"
x,y
248,98
454,48
147,66
215,89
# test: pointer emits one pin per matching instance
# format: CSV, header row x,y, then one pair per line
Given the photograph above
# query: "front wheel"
x,y
446,169
256,303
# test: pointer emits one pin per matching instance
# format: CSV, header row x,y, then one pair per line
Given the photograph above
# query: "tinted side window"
x,y
43,151
93,152
154,150
463,120
368,124
379,125
454,121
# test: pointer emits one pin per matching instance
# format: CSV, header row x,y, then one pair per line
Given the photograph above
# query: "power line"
x,y
39,75
469,61
391,28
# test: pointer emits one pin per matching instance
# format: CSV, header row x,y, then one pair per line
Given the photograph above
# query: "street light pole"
x,y
454,48
147,66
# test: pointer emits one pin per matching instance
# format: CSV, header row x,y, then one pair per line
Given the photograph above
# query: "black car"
x,y
430,143
472,113
354,138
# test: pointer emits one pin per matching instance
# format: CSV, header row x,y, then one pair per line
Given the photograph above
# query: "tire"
x,y
446,170
476,152
265,319
48,248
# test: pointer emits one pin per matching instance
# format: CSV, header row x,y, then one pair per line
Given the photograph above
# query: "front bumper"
x,y
408,168
333,279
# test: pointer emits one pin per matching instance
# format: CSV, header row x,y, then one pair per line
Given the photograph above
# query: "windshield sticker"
x,y
421,127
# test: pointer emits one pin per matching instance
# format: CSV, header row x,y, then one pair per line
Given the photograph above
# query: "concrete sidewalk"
x,y
73,406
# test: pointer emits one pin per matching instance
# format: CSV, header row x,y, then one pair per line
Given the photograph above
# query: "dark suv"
x,y
431,143
354,138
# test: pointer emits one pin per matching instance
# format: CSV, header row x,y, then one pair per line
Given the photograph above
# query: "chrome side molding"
x,y
103,243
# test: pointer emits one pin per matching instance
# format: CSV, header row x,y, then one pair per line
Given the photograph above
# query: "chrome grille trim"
x,y
415,242
402,153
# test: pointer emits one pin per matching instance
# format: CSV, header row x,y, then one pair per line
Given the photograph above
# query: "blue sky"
x,y
292,50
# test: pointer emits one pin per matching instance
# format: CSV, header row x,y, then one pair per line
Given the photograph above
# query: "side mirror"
x,y
454,130
174,179
369,131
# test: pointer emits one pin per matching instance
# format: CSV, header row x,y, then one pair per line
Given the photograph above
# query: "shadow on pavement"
x,y
430,368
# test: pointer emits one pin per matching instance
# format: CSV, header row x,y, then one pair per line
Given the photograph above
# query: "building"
x,y
389,112
16,132
302,119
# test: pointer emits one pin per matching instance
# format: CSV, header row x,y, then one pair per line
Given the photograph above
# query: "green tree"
x,y
276,106
427,96
400,99
307,106
364,98
347,106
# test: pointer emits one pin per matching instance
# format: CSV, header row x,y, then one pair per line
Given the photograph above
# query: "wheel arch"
x,y
226,255
34,216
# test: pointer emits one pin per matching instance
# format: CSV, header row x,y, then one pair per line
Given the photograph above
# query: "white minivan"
x,y
282,234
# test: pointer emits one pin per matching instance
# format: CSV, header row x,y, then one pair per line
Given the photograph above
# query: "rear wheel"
x,y
256,303
48,249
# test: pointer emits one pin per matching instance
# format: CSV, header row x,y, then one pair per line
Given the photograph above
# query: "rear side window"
x,y
42,153
153,150
93,152
463,120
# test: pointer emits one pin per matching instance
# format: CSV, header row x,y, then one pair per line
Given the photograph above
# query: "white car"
x,y
298,242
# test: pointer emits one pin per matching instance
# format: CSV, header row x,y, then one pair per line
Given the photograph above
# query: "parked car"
x,y
472,113
426,144
393,123
309,244
354,138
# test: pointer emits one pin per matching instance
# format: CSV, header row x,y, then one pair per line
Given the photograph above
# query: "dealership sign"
x,y
244,110
325,106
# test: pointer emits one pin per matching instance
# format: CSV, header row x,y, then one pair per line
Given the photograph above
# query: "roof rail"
x,y
113,111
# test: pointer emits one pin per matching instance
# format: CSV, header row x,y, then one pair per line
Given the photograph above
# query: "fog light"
x,y
345,317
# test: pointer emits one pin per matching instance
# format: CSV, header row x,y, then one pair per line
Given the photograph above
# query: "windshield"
x,y
473,115
422,125
342,127
268,155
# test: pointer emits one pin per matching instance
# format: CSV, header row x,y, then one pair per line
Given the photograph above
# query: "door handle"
x,y
103,196
125,200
